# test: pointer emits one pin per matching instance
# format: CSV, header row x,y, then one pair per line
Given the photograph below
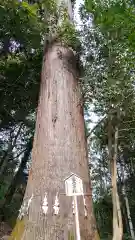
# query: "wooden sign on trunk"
x,y
73,185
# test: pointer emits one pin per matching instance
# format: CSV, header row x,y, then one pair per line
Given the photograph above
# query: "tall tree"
x,y
59,143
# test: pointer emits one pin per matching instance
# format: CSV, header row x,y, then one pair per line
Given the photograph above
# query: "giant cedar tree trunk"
x,y
59,149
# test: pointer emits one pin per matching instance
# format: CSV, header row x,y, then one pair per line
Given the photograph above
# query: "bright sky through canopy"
x,y
76,13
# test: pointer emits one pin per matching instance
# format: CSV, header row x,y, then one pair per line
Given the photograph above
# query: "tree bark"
x,y
59,150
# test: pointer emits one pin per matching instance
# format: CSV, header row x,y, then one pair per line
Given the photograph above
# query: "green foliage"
x,y
20,23
103,213
115,18
60,28
21,56
68,34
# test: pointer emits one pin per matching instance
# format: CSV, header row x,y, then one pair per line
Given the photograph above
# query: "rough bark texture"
x,y
59,149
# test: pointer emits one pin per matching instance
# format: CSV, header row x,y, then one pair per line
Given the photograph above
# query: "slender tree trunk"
x,y
4,161
117,216
18,176
59,150
129,215
123,206
130,224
